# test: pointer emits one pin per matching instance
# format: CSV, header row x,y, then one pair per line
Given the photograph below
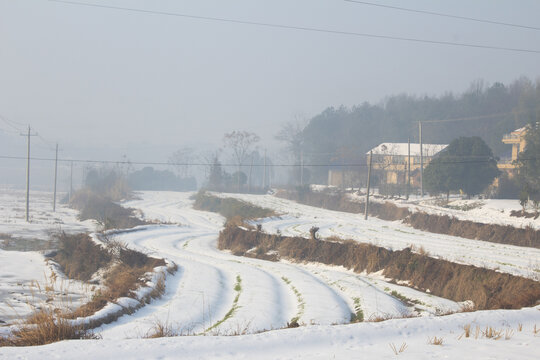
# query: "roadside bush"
x,y
45,327
79,256
229,207
92,205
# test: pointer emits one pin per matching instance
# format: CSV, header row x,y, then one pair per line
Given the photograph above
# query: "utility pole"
x,y
28,174
421,160
368,185
264,172
55,177
250,171
302,167
71,180
408,168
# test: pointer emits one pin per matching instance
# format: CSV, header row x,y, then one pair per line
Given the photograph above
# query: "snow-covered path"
x,y
297,219
215,292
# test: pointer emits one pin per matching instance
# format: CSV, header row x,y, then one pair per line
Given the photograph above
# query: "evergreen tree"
x,y
467,164
529,164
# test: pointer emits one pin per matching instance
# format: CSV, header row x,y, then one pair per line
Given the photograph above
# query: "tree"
x,y
215,174
240,143
467,164
529,164
181,160
291,135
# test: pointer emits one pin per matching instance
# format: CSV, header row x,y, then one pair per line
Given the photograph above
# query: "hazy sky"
x,y
94,78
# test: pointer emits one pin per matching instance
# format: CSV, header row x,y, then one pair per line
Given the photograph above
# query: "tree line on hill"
x,y
343,135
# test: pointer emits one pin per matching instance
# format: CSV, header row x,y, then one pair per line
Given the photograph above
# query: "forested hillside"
x,y
344,135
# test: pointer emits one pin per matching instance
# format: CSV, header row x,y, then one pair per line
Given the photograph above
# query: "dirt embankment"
x,y
502,234
439,224
488,289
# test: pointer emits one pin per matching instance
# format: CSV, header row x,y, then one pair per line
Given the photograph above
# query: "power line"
x,y
11,124
493,22
480,117
472,159
300,28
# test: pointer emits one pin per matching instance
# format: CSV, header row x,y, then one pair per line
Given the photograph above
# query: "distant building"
x,y
345,178
390,160
517,139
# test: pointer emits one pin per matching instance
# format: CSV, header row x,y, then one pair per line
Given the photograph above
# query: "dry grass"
x,y
440,224
503,234
492,333
399,350
435,341
108,214
489,332
80,258
45,326
161,329
230,208
484,288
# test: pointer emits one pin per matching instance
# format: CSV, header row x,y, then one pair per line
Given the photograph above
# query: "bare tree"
x,y
292,136
181,160
240,143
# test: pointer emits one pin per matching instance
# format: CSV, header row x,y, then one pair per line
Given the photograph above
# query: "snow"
x,y
271,295
401,149
27,280
486,211
296,220
43,221
204,297
356,341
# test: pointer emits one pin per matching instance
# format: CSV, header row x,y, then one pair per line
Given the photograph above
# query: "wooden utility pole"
x,y
55,177
368,185
28,135
264,172
408,168
421,160
301,167
71,181
250,171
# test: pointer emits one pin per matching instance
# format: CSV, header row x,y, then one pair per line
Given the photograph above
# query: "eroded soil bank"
x,y
488,289
439,224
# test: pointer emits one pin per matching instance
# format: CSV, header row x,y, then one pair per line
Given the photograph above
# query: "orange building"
x,y
517,139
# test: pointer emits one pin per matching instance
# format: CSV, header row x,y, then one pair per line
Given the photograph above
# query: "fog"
x,y
104,83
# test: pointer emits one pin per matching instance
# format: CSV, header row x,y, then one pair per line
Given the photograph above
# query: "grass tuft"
x,y
435,341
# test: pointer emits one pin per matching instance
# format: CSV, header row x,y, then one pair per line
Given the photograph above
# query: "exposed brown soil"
x,y
439,224
488,289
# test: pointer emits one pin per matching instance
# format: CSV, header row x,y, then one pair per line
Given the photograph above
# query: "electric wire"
x,y
299,28
493,22
459,160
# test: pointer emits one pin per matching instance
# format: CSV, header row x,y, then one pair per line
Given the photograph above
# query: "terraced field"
x,y
215,292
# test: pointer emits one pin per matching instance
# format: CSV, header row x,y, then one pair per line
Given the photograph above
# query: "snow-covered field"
x,y
216,293
264,295
43,221
357,341
296,220
26,280
487,211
